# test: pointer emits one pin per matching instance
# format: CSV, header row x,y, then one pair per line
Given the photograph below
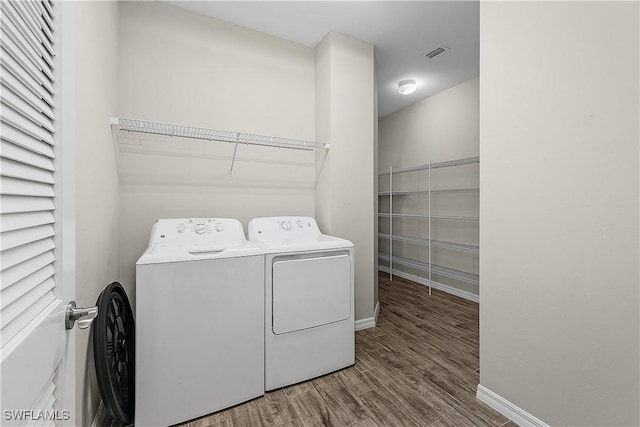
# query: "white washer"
x,y
199,320
309,308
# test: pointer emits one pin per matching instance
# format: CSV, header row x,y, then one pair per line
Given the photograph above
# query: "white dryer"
x,y
199,320
309,300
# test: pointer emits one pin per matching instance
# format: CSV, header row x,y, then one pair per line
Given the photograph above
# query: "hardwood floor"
x,y
418,367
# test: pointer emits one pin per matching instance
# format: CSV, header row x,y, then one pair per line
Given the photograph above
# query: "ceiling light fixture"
x,y
407,87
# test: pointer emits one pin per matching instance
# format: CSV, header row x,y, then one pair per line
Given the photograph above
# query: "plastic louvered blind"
x,y
26,164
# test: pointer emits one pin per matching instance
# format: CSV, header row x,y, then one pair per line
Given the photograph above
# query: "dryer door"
x,y
311,292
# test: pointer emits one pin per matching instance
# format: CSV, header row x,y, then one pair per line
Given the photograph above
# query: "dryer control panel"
x,y
284,229
197,230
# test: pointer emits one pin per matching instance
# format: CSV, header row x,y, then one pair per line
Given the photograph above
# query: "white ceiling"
x,y
402,32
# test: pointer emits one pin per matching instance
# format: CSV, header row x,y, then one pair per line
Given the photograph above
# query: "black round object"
x,y
114,352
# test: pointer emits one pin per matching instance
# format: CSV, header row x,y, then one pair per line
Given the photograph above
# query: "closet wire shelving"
x,y
149,127
429,242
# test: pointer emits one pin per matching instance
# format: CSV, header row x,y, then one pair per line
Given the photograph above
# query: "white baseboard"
x,y
369,322
508,409
435,285
376,312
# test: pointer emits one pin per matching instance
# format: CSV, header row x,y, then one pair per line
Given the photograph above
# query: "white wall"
x,y
345,183
376,145
439,128
180,67
559,132
96,178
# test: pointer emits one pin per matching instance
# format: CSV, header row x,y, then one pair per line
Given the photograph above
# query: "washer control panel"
x,y
197,229
276,230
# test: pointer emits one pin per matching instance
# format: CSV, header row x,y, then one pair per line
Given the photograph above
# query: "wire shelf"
x,y
443,190
206,134
435,243
428,218
463,276
446,164
435,217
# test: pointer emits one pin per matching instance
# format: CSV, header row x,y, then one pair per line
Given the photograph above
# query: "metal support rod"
x,y
429,222
235,150
391,222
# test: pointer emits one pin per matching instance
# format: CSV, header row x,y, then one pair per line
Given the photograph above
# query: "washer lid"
x,y
163,252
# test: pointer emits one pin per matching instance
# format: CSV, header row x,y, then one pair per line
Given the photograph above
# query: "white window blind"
x,y
26,164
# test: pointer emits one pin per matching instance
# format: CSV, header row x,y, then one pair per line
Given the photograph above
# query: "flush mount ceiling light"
x,y
407,87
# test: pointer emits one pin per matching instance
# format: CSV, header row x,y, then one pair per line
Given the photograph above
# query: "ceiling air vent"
x,y
439,50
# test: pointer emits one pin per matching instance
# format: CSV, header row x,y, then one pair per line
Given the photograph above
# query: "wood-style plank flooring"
x,y
418,367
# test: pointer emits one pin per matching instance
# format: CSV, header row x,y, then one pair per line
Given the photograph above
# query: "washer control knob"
x,y
299,223
219,228
181,228
286,225
200,228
